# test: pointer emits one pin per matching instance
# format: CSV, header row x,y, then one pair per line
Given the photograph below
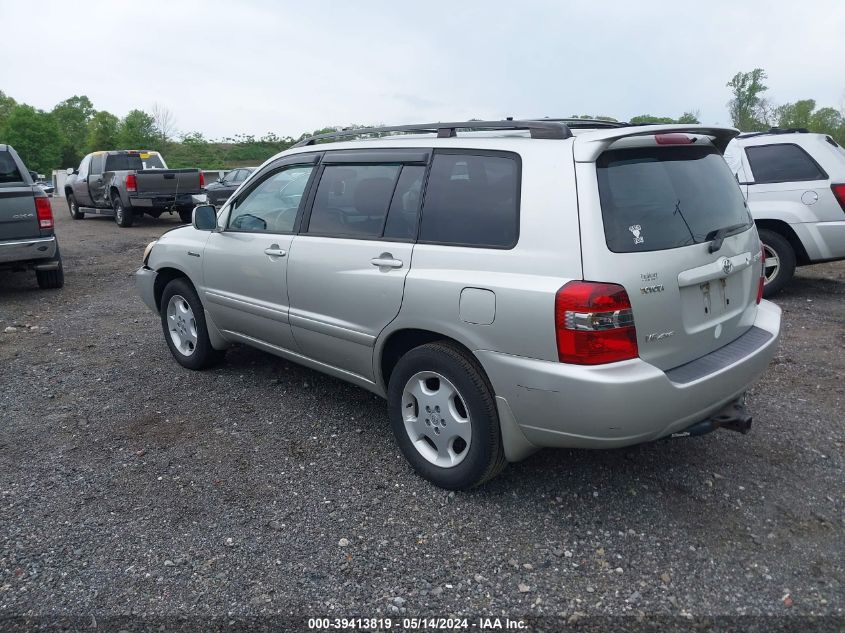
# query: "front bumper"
x,y
145,281
28,250
619,404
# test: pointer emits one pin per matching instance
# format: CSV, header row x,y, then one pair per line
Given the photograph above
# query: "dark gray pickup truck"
x,y
27,240
128,183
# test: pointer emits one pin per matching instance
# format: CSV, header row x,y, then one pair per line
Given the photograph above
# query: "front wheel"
x,y
444,417
780,262
184,326
123,216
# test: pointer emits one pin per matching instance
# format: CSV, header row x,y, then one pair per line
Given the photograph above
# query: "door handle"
x,y
275,251
386,260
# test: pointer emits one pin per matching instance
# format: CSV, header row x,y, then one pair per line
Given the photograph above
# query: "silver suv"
x,y
506,285
794,182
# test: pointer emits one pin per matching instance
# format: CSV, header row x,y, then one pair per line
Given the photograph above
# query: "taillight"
x,y
672,139
594,324
839,193
202,180
44,212
762,281
131,183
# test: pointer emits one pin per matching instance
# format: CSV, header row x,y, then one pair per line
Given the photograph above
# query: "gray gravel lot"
x,y
131,486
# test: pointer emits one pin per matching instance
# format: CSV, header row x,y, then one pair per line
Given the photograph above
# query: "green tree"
x,y
102,132
648,118
796,114
748,109
72,117
7,104
35,136
138,131
829,121
689,118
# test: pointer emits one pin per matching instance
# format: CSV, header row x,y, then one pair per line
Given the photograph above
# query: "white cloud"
x,y
287,67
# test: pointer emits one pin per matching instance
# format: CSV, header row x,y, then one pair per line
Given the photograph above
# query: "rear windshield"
x,y
122,162
9,171
657,198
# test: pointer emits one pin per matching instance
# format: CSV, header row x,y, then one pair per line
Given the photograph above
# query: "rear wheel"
x,y
73,207
123,216
186,215
51,279
184,326
780,262
444,416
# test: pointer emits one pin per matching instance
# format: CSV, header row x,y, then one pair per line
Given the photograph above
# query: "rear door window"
x,y
782,162
657,198
9,172
472,200
352,200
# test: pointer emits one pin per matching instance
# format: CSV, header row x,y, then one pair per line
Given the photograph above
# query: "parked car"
x,y
794,182
27,238
42,182
220,190
505,289
125,184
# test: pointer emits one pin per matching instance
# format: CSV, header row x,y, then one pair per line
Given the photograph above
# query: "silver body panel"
x,y
325,305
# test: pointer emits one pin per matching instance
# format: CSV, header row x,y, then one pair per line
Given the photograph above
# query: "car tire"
x,y
184,326
186,215
433,391
780,262
123,216
51,279
75,213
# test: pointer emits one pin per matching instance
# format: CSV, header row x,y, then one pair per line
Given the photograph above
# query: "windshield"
x,y
657,198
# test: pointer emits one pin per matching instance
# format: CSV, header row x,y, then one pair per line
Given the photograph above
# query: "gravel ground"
x,y
132,487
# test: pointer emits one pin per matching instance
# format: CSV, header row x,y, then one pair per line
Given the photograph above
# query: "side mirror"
x,y
205,217
220,180
70,171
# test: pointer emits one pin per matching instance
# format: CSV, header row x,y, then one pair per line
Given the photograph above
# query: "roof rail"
x,y
776,130
538,129
578,123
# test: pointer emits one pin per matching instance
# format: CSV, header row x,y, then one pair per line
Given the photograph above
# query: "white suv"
x,y
511,287
794,182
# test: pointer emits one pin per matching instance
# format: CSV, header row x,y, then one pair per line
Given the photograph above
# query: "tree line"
x,y
60,137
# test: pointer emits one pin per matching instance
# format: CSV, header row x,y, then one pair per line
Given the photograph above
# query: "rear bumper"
x,y
145,280
619,404
162,201
28,250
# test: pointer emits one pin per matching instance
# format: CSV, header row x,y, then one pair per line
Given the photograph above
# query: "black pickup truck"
x,y
128,183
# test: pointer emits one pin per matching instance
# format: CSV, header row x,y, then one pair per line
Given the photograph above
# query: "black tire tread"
x,y
201,358
787,258
473,370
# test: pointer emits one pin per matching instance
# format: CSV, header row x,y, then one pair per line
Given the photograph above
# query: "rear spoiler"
x,y
588,146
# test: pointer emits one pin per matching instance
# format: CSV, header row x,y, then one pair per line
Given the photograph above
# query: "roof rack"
x,y
538,129
776,130
578,123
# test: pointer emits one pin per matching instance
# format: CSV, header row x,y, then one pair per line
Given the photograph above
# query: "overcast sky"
x,y
254,66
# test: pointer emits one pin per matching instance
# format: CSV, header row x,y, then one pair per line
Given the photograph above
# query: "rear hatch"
x,y
18,218
652,207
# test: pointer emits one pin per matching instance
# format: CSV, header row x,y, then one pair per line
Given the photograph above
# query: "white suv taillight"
x,y
594,324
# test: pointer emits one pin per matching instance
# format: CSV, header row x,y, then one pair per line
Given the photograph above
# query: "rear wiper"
x,y
717,237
